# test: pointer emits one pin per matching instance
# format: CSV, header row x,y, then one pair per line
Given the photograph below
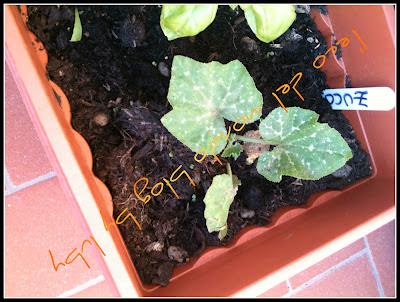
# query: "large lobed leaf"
x,y
186,20
269,21
218,199
202,95
305,148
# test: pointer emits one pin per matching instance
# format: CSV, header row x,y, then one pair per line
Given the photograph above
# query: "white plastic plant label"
x,y
367,98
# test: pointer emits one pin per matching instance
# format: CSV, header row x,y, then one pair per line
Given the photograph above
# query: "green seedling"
x,y
202,95
77,31
304,149
267,21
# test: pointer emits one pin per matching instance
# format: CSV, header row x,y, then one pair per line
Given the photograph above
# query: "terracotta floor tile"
x,y
99,290
352,280
325,264
24,154
382,245
37,219
277,291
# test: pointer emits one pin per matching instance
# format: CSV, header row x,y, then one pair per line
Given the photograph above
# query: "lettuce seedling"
x,y
202,95
218,200
186,20
267,21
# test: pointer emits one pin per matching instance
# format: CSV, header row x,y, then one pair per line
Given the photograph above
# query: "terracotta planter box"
x,y
260,257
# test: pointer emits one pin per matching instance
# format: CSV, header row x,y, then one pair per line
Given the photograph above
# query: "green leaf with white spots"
x,y
218,200
233,148
191,126
269,21
186,20
202,95
305,148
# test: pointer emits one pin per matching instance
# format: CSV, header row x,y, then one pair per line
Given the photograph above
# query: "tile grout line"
x,y
7,181
374,269
289,285
30,183
326,273
82,287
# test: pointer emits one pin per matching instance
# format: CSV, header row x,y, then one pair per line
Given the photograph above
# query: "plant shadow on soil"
x,y
118,95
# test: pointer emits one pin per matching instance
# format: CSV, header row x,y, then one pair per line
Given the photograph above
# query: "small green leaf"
x,y
305,148
233,148
202,95
77,31
232,6
179,21
269,21
218,199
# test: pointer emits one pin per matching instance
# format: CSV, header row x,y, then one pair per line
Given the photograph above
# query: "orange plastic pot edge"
x,y
38,90
256,287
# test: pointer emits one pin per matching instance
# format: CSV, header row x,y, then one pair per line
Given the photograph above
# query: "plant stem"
x,y
252,140
229,170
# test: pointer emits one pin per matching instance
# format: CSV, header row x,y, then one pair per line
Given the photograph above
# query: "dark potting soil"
x,y
116,79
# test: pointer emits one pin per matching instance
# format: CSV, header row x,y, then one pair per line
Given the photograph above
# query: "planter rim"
x,y
66,156
71,154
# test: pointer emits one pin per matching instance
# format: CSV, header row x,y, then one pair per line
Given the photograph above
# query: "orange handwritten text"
x,y
141,184
286,87
159,187
214,143
117,221
344,42
78,254
68,260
